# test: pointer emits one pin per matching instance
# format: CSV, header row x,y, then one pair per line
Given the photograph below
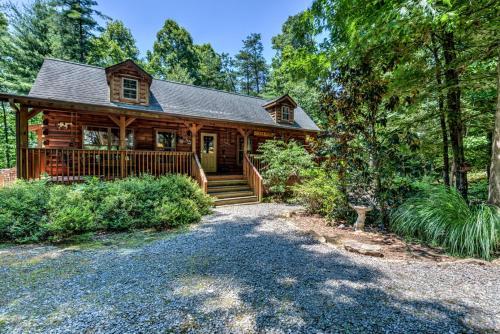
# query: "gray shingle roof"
x,y
73,82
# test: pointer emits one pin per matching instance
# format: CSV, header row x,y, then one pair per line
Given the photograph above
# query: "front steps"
x,y
230,189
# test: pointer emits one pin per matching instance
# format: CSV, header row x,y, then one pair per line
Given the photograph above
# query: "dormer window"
x,y
285,113
129,89
128,83
282,109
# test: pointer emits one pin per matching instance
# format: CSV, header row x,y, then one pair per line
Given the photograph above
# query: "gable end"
x,y
130,72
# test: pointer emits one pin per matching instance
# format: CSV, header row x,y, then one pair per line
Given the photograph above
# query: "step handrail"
x,y
199,173
253,177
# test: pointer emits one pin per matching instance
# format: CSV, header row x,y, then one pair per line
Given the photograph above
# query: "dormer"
x,y
128,83
282,109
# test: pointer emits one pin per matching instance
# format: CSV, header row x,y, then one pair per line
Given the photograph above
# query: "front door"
x,y
209,152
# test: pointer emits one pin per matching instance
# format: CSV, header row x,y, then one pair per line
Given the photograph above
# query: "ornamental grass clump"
x,y
441,217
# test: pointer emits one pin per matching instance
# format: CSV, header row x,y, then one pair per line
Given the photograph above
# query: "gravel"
x,y
244,269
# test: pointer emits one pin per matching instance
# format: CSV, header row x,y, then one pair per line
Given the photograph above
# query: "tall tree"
x,y
173,50
252,65
209,71
30,41
114,45
298,64
77,24
229,73
5,142
494,184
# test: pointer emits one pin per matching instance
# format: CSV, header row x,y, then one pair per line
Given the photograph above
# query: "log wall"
x,y
64,129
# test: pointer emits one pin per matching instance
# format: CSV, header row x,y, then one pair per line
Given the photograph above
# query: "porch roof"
x,y
65,81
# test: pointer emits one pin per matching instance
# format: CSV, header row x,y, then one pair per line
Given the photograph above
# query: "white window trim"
x,y
136,89
283,112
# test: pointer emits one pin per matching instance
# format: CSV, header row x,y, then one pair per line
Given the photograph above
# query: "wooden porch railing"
x,y
256,161
73,165
198,173
253,176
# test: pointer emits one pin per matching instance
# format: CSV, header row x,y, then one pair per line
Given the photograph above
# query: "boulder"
x,y
364,249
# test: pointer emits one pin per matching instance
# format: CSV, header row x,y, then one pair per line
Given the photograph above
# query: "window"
x,y
239,156
285,113
129,89
165,140
97,138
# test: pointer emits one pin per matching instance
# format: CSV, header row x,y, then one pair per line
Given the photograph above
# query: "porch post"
x,y
22,142
194,128
123,145
245,134
122,123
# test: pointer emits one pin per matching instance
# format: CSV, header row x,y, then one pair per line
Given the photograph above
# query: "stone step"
x,y
236,200
232,194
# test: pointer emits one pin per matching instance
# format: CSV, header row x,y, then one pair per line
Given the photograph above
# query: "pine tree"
x,y
77,25
209,71
30,41
173,48
114,45
229,73
252,65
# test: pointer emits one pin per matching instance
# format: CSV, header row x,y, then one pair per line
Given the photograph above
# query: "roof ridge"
x,y
213,89
74,62
164,80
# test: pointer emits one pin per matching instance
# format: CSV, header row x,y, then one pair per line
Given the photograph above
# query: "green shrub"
x,y
35,211
285,164
441,217
320,193
23,209
174,214
115,210
69,212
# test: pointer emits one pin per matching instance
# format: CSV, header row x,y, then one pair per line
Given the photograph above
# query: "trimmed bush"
x,y
320,193
23,211
285,164
441,217
37,211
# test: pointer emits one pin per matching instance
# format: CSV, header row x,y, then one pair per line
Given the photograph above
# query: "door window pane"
x,y
208,144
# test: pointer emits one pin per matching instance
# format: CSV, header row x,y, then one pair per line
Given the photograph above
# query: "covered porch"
x,y
70,143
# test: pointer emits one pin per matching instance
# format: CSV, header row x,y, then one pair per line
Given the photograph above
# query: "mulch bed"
x,y
392,247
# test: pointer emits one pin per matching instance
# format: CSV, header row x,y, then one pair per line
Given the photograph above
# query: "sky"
x,y
222,23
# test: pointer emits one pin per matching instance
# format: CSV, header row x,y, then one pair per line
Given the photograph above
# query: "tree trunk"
x,y
455,122
442,117
6,134
494,184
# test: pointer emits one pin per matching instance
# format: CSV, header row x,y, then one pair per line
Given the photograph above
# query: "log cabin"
x,y
119,121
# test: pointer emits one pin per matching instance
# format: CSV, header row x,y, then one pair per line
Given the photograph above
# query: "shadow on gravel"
x,y
230,275
291,282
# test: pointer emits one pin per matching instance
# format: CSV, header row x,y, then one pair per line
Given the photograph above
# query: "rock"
x,y
332,240
364,249
316,235
476,262
341,226
288,213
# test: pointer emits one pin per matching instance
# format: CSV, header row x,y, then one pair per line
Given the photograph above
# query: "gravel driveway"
x,y
242,270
